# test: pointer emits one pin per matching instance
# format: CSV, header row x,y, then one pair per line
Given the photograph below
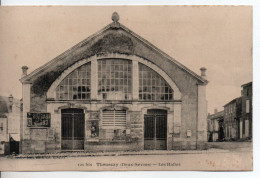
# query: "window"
x,y
152,86
76,86
114,79
114,119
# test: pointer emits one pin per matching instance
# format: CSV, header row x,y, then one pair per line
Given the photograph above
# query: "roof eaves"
x,y
232,101
246,84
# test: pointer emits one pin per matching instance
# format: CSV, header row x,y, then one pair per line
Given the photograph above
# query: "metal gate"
x,y
72,129
155,130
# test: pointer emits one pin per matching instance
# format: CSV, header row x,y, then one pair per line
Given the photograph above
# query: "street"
x,y
228,156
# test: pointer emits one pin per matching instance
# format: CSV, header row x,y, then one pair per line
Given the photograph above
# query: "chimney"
x,y
215,111
24,68
203,73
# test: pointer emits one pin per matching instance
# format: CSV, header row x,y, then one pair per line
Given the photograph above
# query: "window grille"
x,y
152,86
76,86
114,119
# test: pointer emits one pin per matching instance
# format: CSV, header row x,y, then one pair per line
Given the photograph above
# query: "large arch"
x,y
93,60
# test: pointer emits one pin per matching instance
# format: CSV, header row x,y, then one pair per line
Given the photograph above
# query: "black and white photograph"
x,y
126,88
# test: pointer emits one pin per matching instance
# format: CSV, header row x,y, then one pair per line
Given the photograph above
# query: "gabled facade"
x,y
113,91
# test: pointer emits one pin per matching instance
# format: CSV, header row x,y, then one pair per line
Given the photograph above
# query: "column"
x,y
24,134
94,79
135,75
202,114
177,115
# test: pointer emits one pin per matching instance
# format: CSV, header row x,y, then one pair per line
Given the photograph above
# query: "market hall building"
x,y
113,91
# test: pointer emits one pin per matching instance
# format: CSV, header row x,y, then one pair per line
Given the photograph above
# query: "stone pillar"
x,y
135,80
202,114
176,132
177,114
25,132
94,79
170,125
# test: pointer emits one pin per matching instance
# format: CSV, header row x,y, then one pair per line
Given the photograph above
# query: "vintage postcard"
x,y
103,88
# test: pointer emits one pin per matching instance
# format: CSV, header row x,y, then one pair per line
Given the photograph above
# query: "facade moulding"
x,y
113,101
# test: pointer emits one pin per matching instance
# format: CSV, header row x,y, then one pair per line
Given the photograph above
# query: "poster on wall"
x,y
38,119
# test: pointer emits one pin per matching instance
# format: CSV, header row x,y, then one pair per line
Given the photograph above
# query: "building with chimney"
x,y
216,126
113,91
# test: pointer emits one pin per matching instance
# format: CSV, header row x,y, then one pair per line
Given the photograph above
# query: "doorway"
x,y
72,129
155,129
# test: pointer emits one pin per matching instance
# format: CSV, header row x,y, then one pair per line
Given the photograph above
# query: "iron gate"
x,y
72,129
155,130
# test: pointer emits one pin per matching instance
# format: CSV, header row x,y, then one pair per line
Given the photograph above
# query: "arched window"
x,y
76,86
152,87
114,79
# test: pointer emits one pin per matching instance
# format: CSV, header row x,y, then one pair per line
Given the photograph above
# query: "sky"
x,y
217,37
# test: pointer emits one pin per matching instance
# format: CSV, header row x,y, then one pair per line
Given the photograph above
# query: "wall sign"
x,y
38,119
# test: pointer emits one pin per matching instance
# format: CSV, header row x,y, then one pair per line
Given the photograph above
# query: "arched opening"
x,y
111,77
155,129
72,129
76,85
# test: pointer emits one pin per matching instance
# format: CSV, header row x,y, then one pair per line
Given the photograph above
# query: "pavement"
x,y
227,156
117,153
214,147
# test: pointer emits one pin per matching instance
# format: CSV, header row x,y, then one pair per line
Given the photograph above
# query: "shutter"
x,y
108,118
247,106
120,119
114,119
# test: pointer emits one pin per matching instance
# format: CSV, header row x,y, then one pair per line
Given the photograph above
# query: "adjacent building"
x,y
245,121
9,125
232,114
113,91
216,126
238,115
